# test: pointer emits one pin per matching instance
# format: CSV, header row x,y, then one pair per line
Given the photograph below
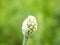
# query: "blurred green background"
x,y
13,13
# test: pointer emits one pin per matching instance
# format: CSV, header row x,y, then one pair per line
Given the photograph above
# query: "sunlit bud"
x,y
29,26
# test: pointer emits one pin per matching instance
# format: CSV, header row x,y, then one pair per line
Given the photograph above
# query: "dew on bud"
x,y
32,24
31,27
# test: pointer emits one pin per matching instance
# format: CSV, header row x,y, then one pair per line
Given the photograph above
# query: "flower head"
x,y
29,26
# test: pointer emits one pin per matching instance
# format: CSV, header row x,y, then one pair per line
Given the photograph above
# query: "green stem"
x,y
25,40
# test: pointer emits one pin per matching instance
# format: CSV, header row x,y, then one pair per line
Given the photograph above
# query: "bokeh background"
x,y
13,13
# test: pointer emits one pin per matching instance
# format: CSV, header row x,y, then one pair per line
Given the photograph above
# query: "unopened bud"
x,y
29,26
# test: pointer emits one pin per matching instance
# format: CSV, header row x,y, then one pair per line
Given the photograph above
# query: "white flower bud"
x,y
29,26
